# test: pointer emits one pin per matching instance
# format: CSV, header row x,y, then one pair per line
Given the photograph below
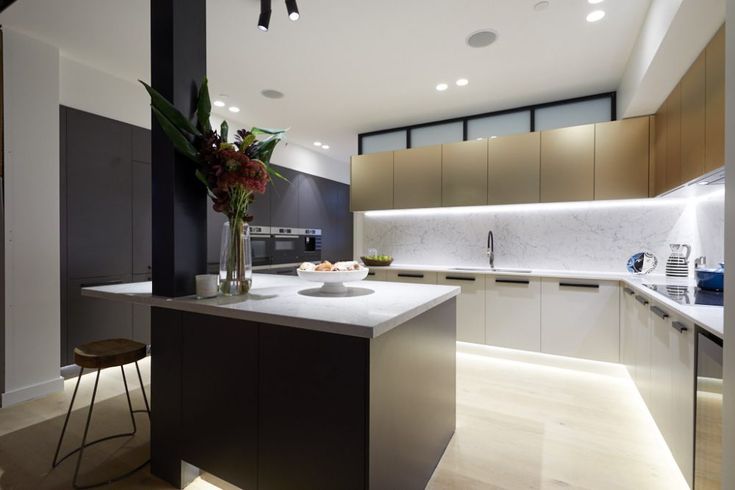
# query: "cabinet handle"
x,y
512,281
101,283
641,300
458,278
659,312
679,326
578,285
371,273
628,291
417,276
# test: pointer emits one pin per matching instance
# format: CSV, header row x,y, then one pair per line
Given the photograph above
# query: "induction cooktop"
x,y
688,295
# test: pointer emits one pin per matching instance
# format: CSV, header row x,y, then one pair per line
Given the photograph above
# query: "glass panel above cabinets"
x,y
395,140
500,125
574,114
436,134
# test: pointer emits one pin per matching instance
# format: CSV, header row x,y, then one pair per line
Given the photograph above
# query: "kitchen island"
x,y
286,388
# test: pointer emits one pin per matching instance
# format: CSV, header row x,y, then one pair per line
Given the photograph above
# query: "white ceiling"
x,y
352,66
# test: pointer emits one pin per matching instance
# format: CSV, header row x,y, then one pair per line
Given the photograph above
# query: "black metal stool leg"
x,y
66,420
130,404
142,388
86,431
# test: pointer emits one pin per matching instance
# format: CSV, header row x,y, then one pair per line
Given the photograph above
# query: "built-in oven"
x,y
261,243
312,239
708,408
287,245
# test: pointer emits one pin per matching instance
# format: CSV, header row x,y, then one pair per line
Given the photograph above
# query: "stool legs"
x,y
85,444
66,420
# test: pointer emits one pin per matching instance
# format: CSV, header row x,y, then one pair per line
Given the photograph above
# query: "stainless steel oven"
x,y
312,240
287,246
261,243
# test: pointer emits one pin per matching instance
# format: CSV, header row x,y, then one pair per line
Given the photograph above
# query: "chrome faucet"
x,y
491,248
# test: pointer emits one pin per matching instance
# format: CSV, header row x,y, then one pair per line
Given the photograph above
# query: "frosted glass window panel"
x,y
436,135
501,125
573,114
395,140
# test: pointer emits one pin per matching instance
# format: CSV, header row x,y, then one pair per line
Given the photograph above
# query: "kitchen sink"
x,y
492,269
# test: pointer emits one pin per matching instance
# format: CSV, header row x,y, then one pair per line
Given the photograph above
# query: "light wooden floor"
x,y
524,421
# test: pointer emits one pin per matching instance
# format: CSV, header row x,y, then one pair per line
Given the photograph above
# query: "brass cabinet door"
x,y
514,169
715,102
464,173
418,177
660,148
693,120
568,164
621,159
371,181
673,138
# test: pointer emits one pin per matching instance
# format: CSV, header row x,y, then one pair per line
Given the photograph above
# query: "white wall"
x,y
32,326
729,368
88,89
672,36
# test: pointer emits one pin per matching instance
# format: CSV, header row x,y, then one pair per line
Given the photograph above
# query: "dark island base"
x,y
270,407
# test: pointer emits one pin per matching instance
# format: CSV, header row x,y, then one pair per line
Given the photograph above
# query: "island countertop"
x,y
372,309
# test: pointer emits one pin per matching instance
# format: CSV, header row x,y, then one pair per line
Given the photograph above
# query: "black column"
x,y
178,65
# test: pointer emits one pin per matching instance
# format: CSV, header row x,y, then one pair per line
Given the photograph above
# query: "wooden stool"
x,y
100,355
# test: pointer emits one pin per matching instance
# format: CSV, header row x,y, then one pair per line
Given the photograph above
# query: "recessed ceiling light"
x,y
541,5
271,94
595,16
462,82
234,108
478,139
317,143
325,147
595,2
493,137
481,39
442,87
219,103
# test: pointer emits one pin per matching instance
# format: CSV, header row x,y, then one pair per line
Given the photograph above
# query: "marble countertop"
x,y
710,318
371,309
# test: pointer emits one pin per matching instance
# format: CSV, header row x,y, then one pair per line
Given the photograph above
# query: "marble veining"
x,y
582,238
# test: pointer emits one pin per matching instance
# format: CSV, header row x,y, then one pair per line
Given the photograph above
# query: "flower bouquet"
x,y
233,173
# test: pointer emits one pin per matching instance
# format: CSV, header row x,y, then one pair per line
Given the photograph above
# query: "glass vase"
x,y
236,259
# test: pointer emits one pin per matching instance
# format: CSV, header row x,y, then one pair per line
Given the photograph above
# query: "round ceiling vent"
x,y
272,94
481,39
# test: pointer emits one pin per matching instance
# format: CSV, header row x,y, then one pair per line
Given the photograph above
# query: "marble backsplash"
x,y
596,236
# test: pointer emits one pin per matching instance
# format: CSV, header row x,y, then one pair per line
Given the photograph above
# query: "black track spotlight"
x,y
265,15
293,10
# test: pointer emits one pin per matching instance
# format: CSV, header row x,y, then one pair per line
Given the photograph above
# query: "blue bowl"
x,y
711,279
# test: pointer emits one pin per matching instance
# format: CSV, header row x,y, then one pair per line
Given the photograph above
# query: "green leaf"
x,y
204,107
176,137
247,141
223,130
165,107
265,149
269,131
201,177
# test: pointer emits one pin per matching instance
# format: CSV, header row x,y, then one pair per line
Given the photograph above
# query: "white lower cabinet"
x,y
377,275
662,357
580,318
470,305
513,312
416,277
627,328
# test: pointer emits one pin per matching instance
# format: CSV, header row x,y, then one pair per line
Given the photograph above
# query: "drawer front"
x,y
470,305
513,312
416,277
376,275
580,318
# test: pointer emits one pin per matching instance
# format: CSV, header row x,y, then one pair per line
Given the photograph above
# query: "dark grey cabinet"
x,y
141,144
93,319
324,204
141,226
215,221
98,197
284,199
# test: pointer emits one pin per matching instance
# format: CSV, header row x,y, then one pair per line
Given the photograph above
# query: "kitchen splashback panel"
x,y
594,237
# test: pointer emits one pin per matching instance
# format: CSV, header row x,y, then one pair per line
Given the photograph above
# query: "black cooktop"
x,y
687,295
